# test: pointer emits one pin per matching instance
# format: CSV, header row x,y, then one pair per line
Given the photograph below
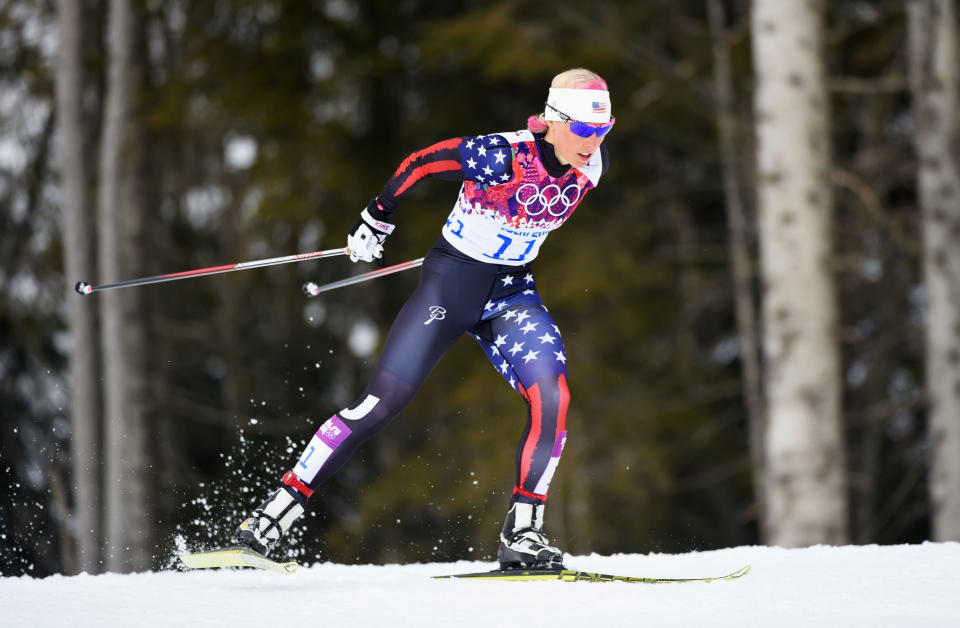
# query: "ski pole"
x,y
85,288
311,289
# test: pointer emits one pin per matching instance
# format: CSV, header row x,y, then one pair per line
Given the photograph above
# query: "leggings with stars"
x,y
499,307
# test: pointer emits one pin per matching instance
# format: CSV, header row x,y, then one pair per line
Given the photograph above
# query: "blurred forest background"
x,y
140,137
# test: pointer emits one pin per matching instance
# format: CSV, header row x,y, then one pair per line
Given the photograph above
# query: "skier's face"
x,y
571,148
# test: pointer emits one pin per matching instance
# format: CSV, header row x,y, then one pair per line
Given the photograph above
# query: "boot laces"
x,y
263,531
532,539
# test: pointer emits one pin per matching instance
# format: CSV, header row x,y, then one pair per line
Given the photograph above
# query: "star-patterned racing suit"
x,y
477,279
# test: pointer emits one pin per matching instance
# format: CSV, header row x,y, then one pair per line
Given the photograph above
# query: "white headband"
x,y
584,105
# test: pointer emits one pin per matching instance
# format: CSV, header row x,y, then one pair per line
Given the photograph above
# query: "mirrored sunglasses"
x,y
584,129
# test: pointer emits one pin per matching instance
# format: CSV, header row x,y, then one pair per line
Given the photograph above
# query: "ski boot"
x,y
263,530
523,545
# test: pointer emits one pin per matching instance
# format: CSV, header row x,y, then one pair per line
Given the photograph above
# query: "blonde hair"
x,y
575,78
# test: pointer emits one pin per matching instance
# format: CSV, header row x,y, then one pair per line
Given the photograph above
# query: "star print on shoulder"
x,y
487,159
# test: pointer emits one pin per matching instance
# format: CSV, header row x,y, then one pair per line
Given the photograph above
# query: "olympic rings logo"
x,y
548,198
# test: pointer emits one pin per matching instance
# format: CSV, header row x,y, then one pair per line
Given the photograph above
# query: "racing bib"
x,y
505,219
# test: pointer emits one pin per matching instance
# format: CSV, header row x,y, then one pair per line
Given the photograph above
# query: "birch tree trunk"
x,y
805,484
936,97
127,455
79,264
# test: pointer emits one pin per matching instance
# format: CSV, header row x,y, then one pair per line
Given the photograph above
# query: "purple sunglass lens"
x,y
585,130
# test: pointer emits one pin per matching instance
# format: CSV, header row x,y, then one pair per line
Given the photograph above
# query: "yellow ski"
x,y
236,557
572,575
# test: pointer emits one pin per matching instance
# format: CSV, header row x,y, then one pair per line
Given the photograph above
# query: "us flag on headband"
x,y
599,107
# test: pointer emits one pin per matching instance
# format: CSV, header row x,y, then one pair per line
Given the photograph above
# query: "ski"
x,y
572,575
236,557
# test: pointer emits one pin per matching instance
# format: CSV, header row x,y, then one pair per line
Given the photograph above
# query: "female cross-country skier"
x,y
477,279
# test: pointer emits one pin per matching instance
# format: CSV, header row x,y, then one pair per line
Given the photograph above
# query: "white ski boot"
x,y
523,545
263,530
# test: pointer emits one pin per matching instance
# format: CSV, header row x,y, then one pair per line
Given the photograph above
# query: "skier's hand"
x,y
365,241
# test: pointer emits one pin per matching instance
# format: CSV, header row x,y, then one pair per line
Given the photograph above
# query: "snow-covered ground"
x,y
873,586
